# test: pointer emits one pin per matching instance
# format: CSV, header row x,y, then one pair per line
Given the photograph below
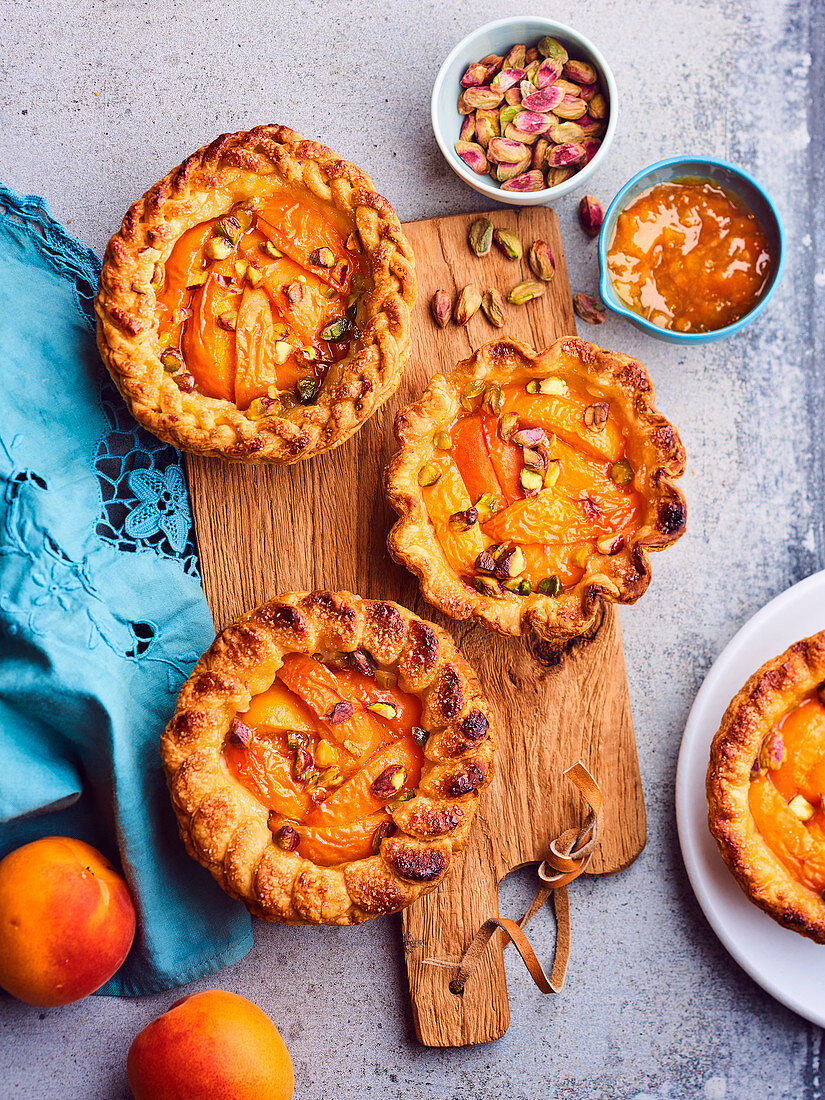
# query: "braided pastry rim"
x,y
620,578
776,688
191,193
224,827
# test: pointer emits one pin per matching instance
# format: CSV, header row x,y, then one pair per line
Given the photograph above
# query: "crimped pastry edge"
x,y
774,689
621,578
225,828
125,302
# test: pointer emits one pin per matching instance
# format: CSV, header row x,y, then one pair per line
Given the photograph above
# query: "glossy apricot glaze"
x,y
256,306
689,256
787,786
327,749
527,485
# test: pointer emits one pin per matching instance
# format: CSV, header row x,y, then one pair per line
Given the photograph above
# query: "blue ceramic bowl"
x,y
732,179
497,38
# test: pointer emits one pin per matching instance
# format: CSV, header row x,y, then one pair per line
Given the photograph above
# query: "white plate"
x,y
790,967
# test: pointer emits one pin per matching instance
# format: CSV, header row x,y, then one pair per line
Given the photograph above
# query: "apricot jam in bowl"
x,y
690,250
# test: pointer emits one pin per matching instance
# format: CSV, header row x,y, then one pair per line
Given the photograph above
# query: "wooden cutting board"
x,y
323,524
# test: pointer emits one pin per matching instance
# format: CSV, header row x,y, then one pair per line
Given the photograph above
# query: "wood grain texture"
x,y
323,523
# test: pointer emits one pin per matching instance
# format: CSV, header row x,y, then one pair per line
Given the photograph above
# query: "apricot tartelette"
x,y
256,302
326,757
766,785
531,486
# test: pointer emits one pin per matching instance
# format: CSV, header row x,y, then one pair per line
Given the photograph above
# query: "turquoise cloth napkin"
x,y
101,611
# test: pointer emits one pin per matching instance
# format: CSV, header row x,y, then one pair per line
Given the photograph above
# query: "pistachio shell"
x,y
480,237
469,301
555,176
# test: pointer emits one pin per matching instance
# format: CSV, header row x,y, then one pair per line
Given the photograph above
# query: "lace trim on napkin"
x,y
143,497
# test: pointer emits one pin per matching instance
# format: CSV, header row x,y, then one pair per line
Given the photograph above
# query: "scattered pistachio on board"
x,y
441,307
508,243
481,236
527,98
525,292
469,301
492,305
541,261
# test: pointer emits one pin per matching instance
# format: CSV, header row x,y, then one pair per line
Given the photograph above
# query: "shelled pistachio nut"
x,y
525,292
541,261
467,304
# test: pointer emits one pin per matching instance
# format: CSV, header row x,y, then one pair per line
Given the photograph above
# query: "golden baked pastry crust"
x,y
621,577
225,828
773,691
205,186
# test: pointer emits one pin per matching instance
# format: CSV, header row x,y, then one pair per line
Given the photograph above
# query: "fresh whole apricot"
x,y
210,1046
66,921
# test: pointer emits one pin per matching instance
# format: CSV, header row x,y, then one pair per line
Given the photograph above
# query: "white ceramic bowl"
x,y
498,38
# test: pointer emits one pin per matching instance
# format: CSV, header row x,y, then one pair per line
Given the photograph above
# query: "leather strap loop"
x,y
569,856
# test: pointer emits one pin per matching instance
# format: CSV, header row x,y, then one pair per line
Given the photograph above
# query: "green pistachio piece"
x,y
622,472
549,586
269,249
508,243
171,360
229,228
322,257
336,329
428,475
218,248
520,586
481,236
420,736
493,399
307,389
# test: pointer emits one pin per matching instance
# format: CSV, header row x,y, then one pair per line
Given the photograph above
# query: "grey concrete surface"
x,y
98,99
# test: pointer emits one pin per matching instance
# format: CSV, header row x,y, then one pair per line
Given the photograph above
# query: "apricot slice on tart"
x,y
531,486
256,302
326,757
766,785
